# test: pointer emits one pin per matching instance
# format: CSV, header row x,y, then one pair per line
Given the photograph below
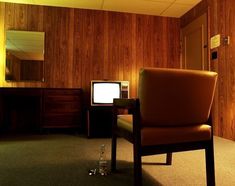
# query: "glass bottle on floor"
x,y
103,164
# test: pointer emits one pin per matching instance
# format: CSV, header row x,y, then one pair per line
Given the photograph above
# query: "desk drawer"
x,y
62,108
65,121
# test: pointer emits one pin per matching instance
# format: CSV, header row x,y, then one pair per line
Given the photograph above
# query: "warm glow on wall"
x,y
2,46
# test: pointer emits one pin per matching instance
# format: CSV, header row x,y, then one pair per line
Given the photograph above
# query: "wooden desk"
x,y
33,109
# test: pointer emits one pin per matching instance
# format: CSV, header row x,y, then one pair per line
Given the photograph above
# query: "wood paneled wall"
x,y
2,43
82,45
221,21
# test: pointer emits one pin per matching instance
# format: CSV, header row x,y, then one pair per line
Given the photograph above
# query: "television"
x,y
103,92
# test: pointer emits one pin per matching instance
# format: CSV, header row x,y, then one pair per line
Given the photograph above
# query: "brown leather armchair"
x,y
171,114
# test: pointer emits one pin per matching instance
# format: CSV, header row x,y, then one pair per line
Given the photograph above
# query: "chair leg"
x,y
210,166
137,166
169,158
114,152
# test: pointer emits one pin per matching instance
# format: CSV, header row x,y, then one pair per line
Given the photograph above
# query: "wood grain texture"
x,y
221,21
2,43
62,108
230,68
82,45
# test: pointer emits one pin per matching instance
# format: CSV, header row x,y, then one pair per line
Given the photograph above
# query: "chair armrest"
x,y
125,103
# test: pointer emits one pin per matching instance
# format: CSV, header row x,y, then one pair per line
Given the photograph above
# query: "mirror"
x,y
24,56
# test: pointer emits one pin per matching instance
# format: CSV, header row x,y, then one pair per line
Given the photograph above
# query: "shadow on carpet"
x,y
75,174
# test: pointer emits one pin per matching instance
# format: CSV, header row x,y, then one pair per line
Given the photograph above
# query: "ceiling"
x,y
170,8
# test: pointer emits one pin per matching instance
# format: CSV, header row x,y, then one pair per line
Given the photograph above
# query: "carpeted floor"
x,y
64,160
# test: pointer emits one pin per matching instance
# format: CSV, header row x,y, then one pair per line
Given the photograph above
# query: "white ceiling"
x,y
170,8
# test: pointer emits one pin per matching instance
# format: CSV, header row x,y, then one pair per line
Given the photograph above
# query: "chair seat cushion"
x,y
170,135
167,135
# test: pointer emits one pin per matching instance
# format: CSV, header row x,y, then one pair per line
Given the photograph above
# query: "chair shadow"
x,y
71,174
125,169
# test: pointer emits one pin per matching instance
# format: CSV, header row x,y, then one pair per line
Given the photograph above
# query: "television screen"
x,y
104,92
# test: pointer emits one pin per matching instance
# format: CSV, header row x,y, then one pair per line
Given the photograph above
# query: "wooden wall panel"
x,y
82,45
9,20
2,48
220,66
35,18
230,68
221,21
77,51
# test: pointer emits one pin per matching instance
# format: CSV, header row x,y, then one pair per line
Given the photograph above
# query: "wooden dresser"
x,y
34,109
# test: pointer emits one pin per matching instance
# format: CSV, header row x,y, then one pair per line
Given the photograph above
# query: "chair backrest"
x,y
175,97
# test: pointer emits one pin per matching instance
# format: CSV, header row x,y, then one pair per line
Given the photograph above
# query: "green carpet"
x,y
64,160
